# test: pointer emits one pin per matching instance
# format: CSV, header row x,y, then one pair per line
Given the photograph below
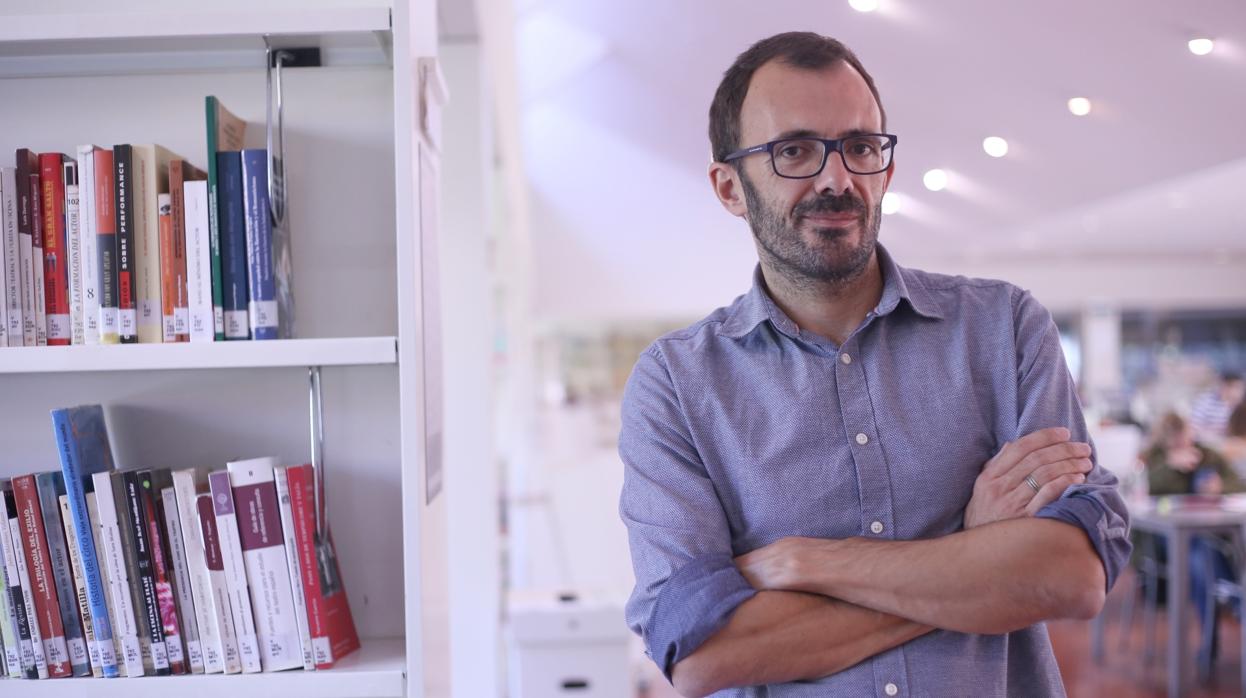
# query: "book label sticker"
x,y
77,651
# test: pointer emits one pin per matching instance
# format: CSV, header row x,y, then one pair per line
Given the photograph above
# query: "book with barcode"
x,y
180,172
187,486
129,622
118,649
222,607
126,209
39,569
282,479
55,248
89,244
166,603
268,254
198,262
106,243
8,617
179,568
50,487
233,235
80,587
13,289
224,132
15,584
73,247
230,543
140,542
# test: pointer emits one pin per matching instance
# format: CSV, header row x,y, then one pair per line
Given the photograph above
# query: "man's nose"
x,y
834,179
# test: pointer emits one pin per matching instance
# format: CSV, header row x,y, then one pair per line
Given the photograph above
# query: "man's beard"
x,y
796,259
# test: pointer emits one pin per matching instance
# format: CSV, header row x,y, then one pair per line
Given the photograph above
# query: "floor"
x,y
1124,672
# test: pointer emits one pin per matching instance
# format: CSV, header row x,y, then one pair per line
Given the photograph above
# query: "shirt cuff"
x,y
1107,530
695,602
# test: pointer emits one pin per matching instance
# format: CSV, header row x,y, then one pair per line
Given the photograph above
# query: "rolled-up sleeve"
x,y
1047,397
687,584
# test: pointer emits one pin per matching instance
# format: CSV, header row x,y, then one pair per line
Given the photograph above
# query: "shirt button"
x,y
862,439
877,527
891,689
845,358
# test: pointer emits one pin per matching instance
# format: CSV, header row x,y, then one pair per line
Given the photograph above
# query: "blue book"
x,y
82,441
263,303
50,487
232,219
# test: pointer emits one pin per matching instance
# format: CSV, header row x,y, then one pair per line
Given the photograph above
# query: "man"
x,y
1209,415
857,479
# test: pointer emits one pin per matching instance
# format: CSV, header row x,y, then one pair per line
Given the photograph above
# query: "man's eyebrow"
x,y
807,133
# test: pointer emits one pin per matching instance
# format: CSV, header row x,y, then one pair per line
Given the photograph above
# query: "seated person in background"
x,y
1233,448
1177,464
1210,411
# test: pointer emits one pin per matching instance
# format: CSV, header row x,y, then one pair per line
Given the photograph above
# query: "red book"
x,y
55,249
328,610
43,586
106,232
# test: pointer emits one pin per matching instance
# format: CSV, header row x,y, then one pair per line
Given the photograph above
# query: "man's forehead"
x,y
831,101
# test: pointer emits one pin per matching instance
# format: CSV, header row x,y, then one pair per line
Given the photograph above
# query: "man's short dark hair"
x,y
1230,377
805,50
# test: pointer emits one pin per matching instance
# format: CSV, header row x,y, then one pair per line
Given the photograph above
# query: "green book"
x,y
225,132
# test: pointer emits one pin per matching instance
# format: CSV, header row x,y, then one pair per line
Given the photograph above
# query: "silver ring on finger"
x,y
1029,480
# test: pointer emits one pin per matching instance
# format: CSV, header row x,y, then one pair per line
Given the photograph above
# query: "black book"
x,y
140,540
126,210
17,599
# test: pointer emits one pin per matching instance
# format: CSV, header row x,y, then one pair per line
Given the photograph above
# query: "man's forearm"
x,y
779,636
992,579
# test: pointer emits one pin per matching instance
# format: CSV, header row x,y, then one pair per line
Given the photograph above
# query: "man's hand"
x,y
1001,492
778,565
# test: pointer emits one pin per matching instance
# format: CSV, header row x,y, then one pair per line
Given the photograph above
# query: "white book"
x,y
73,243
264,555
90,245
181,582
40,299
4,276
185,490
292,560
198,262
8,619
23,576
80,586
125,624
26,258
105,578
25,652
235,571
231,657
12,256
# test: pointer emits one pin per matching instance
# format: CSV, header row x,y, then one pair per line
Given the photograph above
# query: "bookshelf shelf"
x,y
375,671
349,351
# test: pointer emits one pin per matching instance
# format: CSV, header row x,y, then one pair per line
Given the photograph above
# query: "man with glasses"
x,y
857,479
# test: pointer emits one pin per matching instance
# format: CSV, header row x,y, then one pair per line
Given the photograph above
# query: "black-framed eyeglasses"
x,y
804,157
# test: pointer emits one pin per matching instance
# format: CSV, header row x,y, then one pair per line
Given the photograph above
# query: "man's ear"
x,y
728,187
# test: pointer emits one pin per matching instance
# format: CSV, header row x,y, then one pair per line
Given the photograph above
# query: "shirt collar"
x,y
756,306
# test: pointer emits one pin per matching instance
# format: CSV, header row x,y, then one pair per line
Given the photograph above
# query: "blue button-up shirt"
x,y
743,429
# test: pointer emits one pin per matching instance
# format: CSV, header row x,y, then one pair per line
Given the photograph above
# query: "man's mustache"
x,y
830,204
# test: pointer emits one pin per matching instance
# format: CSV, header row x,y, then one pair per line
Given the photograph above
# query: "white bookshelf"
x,y
136,71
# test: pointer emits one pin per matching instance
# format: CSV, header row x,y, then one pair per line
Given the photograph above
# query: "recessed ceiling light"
x,y
864,5
891,203
1079,106
935,180
1201,47
995,146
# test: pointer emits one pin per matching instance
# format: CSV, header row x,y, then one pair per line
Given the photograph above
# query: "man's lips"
x,y
831,219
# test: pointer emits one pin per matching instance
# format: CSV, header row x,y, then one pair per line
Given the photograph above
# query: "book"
x,y
38,666
73,246
292,561
264,557
106,243
15,584
230,544
4,277
84,449
50,486
118,651
89,243
328,609
186,488
263,314
138,535
55,248
233,235
8,617
220,585
225,132
150,180
38,262
179,569
198,262
135,655
180,172
27,200
126,210
157,535
80,587
168,277
34,545
12,256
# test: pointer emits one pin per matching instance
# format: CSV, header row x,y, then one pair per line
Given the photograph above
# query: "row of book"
x,y
135,244
113,573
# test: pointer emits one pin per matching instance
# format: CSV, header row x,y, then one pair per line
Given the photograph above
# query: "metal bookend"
x,y
274,59
326,560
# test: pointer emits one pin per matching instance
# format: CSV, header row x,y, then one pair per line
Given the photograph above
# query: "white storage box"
x,y
564,645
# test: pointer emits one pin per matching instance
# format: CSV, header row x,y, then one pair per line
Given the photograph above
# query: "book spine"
x,y
264,557
90,245
212,109
140,539
78,484
16,586
12,256
180,573
197,574
168,292
38,650
80,587
302,507
49,487
115,651
198,263
8,617
166,604
126,209
106,243
220,585
144,193
39,567
41,307
73,242
55,249
262,303
233,244
177,246
4,282
282,480
135,655
27,223
235,571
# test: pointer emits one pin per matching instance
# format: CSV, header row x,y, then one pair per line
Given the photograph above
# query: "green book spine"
x,y
214,231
